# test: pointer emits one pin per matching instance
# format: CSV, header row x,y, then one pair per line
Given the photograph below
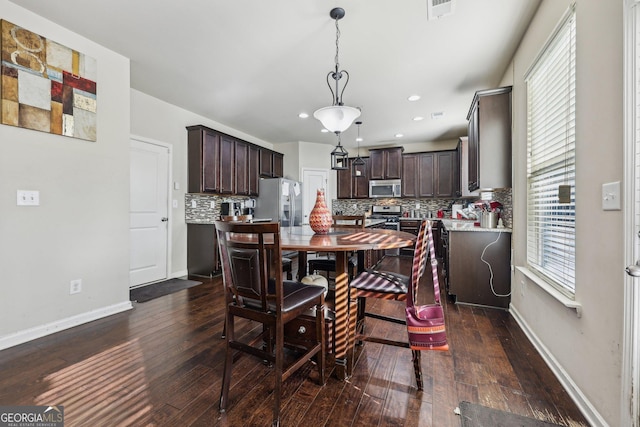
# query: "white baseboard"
x,y
587,409
22,337
177,274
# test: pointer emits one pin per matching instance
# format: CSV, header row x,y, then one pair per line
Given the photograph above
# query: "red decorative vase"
x,y
320,218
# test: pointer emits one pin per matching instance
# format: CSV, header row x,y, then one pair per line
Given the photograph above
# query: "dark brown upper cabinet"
x,y
203,160
386,163
490,139
271,164
242,168
447,174
221,164
227,165
254,170
353,187
431,174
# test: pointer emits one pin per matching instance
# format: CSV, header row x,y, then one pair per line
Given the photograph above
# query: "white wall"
x,y
80,229
585,351
157,120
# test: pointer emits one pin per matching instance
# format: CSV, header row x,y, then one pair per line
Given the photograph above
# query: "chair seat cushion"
x,y
381,281
296,295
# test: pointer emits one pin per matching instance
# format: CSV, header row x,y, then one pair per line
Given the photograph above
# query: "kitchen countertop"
x,y
459,224
368,222
469,225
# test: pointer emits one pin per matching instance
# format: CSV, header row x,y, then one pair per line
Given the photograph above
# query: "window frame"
x,y
551,158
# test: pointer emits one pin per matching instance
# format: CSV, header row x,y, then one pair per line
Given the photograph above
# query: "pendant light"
x,y
339,156
358,163
337,117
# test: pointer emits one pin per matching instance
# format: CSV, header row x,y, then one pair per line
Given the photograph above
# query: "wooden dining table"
x,y
341,241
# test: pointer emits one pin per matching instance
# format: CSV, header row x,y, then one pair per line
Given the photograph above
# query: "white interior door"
x,y
148,212
312,180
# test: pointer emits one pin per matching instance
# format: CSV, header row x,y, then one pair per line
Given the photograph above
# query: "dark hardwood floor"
x,y
161,364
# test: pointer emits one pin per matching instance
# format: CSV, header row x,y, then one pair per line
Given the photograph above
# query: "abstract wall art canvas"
x,y
46,86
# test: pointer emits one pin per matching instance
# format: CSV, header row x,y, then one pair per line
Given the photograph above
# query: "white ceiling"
x,y
254,65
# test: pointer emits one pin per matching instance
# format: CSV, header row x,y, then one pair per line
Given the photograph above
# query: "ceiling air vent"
x,y
439,8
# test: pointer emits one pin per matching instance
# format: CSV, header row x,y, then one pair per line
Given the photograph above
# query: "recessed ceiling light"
x,y
324,130
303,115
359,139
437,116
418,118
399,135
413,98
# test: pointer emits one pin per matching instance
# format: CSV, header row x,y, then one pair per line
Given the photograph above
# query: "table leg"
x,y
302,265
344,365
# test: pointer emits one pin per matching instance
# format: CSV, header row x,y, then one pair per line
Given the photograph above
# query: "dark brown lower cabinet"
x,y
202,250
470,278
409,226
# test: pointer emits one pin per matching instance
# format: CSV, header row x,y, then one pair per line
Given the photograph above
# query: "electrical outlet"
x,y
522,287
194,204
75,286
417,205
212,204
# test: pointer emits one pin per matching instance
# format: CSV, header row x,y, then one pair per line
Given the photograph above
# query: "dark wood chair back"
x,y
251,255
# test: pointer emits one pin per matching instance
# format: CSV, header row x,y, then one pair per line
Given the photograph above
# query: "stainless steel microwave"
x,y
385,188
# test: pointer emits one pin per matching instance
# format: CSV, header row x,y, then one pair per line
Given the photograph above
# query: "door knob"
x,y
164,219
633,270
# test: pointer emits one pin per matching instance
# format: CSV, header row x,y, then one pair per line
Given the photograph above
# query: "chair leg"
x,y
417,367
362,309
320,357
228,364
277,390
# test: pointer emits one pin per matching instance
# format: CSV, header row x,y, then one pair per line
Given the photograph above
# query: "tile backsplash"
x,y
360,206
198,207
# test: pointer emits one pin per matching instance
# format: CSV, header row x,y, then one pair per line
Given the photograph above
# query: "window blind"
x,y
551,143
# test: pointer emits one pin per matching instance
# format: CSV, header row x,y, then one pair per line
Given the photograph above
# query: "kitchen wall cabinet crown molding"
x,y
489,139
219,163
385,163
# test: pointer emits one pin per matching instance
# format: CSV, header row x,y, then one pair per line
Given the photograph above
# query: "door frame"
x,y
305,189
630,375
170,222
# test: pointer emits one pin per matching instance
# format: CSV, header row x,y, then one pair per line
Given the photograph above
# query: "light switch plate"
x,y
611,196
28,198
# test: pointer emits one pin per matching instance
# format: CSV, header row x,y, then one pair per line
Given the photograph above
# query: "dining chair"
x,y
255,290
327,263
391,286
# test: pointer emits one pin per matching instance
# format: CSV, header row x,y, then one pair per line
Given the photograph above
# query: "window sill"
x,y
563,299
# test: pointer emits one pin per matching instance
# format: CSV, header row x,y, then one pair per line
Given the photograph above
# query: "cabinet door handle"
x,y
164,219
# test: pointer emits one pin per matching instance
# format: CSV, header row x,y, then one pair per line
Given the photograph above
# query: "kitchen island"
x,y
477,263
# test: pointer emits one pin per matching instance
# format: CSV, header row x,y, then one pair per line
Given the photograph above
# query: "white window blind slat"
x,y
551,160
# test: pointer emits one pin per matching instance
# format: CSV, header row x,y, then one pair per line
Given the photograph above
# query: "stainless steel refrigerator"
x,y
281,200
